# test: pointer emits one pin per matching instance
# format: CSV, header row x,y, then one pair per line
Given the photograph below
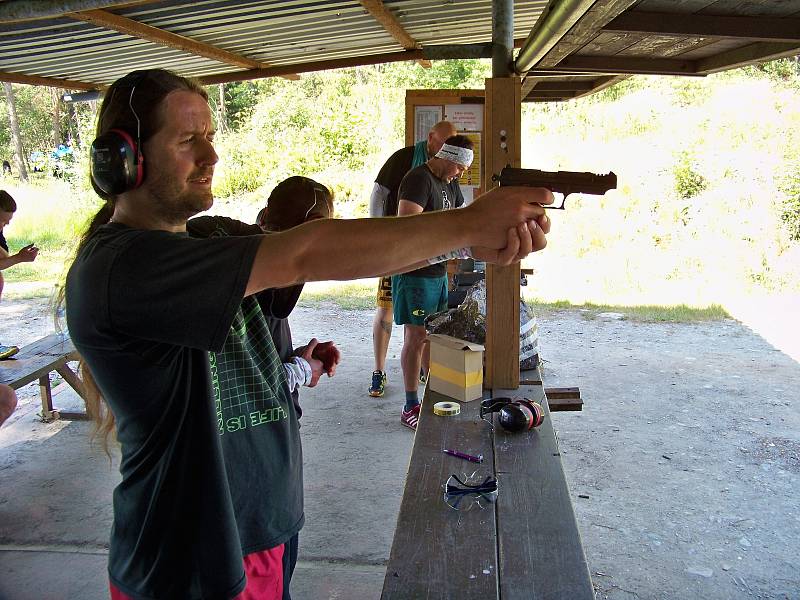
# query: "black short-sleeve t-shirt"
x,y
276,304
149,311
392,173
3,243
422,187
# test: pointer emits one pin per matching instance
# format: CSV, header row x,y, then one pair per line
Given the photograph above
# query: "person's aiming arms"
x,y
146,305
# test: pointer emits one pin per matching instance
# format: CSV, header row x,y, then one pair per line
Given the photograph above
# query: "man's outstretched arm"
x,y
507,220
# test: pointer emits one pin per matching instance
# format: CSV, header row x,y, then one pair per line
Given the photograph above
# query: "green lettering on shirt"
x,y
212,359
267,416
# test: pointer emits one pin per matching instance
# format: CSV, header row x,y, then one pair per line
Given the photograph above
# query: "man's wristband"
x,y
460,253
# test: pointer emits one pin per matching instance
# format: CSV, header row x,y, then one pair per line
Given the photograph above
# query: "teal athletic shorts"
x,y
417,297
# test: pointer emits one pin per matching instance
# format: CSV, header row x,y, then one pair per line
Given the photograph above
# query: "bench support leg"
x,y
48,412
75,382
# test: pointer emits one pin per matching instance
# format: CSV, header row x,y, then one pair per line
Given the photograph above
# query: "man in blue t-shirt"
x,y
211,460
431,187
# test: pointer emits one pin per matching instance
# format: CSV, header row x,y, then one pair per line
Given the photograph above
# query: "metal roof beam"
x,y
127,26
14,11
68,84
753,28
503,40
393,27
549,28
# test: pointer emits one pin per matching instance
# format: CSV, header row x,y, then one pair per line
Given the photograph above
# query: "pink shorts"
x,y
264,572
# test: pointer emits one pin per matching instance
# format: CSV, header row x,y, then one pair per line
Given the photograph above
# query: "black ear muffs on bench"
x,y
515,414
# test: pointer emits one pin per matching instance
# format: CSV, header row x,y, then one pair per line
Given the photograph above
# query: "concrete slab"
x,y
55,487
50,573
684,467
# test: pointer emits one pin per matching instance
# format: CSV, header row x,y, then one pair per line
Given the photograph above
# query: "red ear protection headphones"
x,y
116,158
515,415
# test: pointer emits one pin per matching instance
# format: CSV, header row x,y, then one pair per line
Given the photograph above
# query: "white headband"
x,y
456,154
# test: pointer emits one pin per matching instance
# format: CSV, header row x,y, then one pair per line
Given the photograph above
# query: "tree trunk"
x,y
74,126
221,115
19,153
55,96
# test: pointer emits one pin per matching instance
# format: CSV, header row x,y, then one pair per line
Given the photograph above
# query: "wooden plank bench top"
x,y
36,361
527,545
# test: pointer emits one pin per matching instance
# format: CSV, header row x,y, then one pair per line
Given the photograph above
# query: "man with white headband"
x,y
430,187
383,203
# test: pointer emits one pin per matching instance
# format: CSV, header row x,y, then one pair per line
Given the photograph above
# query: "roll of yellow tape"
x,y
446,409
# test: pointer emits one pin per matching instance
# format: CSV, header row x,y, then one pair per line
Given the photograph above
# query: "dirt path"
x,y
684,466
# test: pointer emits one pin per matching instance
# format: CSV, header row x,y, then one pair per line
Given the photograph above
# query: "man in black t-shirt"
x,y
293,201
383,203
26,254
171,331
428,188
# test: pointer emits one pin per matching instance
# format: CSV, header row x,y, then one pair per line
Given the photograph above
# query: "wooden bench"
x,y
526,545
36,361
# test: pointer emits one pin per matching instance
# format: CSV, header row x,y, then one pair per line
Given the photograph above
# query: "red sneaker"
x,y
410,418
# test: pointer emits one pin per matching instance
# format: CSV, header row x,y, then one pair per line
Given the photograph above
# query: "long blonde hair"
x,y
138,94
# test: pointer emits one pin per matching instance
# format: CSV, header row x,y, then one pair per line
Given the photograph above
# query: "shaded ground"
x,y
688,449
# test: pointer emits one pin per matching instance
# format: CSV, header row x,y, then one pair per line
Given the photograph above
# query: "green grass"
x,y
28,290
347,296
645,313
361,296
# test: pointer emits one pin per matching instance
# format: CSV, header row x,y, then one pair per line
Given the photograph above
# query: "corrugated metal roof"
x,y
285,32
224,40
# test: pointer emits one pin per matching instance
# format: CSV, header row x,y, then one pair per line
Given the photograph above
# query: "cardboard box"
x,y
456,368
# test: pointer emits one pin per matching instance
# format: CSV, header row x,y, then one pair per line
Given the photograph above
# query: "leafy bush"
x,y
790,208
688,181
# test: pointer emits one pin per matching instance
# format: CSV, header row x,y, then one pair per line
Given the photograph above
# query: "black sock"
x,y
411,400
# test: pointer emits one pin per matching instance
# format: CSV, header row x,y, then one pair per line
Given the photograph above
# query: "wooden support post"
x,y
502,146
48,413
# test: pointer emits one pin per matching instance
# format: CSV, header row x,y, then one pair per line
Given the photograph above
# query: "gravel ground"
x,y
684,465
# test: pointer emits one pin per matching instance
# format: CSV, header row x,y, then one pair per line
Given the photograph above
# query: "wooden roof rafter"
x,y
109,20
339,63
393,27
762,29
68,84
554,86
632,65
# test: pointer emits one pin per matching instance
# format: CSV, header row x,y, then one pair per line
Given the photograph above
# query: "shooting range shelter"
x,y
570,48
566,49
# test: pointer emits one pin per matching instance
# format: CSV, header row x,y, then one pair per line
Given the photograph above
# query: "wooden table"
x,y
36,361
526,545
